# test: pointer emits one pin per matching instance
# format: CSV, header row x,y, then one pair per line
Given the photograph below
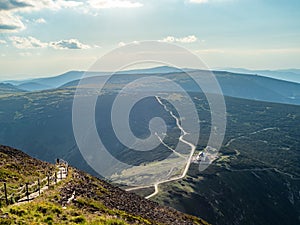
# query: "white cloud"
x,y
10,19
27,43
36,5
106,4
121,44
11,10
40,20
13,4
69,44
2,41
69,4
187,39
10,22
169,39
135,43
31,43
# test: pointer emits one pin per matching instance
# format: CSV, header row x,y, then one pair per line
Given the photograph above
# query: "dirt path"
x,y
189,158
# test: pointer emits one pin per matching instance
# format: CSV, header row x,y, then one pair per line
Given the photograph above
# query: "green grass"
x,y
17,170
98,206
39,212
46,210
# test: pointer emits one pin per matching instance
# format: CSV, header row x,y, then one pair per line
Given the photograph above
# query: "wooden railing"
x,y
10,195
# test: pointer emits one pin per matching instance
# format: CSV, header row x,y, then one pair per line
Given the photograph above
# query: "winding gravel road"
x,y
189,159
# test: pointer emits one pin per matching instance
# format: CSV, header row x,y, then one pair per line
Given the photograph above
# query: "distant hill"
x,y
33,86
9,89
260,88
245,86
154,70
95,202
57,81
292,75
47,82
71,78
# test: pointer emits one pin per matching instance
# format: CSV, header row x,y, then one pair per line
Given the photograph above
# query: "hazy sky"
x,y
49,37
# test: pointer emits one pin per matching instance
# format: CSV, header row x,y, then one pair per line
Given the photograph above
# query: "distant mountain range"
x,y
244,86
37,84
292,75
46,83
9,89
270,86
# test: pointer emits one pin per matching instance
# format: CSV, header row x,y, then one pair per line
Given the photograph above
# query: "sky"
x,y
41,38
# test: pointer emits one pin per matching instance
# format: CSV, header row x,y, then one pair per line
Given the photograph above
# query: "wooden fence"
x,y
9,195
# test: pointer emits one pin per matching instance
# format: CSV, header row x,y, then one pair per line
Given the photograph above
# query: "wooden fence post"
x,y
27,192
61,175
55,178
48,178
5,193
39,186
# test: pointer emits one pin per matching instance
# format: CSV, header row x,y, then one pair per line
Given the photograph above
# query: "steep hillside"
x,y
94,201
17,168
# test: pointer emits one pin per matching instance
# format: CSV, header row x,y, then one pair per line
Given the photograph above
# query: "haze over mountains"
x,y
59,80
241,84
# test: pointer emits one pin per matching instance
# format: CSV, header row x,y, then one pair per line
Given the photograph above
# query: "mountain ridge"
x,y
253,87
292,75
245,85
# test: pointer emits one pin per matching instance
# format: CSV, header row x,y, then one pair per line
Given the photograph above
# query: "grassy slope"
x,y
17,168
96,201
